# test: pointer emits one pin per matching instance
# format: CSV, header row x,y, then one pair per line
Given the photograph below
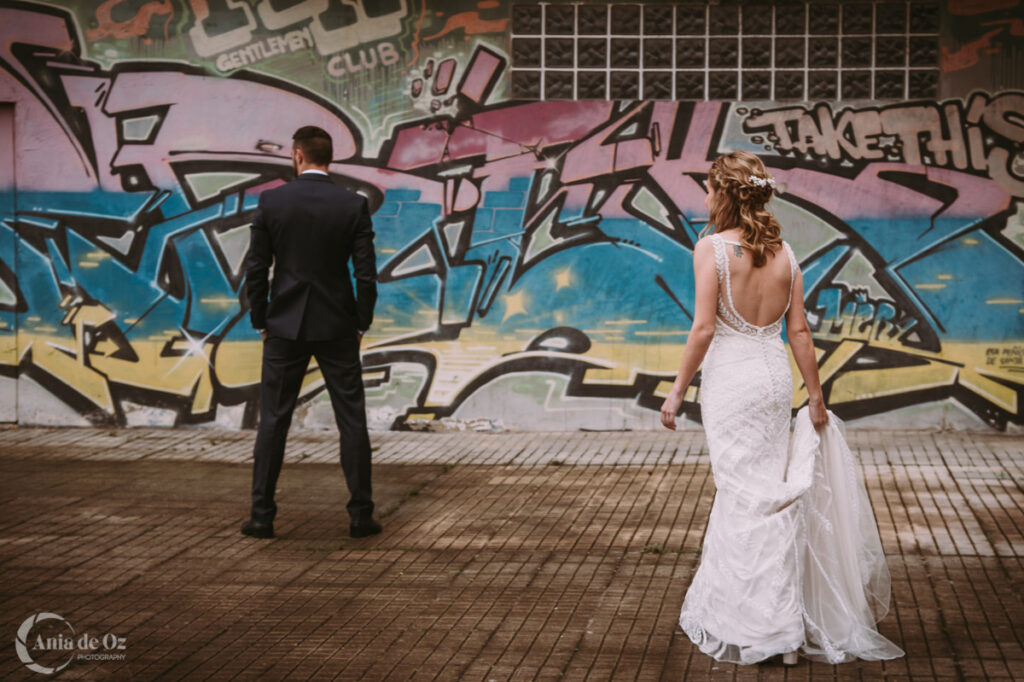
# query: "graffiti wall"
x,y
535,258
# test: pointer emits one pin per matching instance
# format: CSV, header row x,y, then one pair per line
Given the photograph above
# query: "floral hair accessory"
x,y
761,182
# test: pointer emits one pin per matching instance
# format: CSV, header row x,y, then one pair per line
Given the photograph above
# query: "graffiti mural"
x,y
535,258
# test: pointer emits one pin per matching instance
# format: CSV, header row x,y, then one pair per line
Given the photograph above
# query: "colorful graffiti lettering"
x,y
978,135
535,258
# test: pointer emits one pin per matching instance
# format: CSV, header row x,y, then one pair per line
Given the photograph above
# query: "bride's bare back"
x,y
761,295
731,294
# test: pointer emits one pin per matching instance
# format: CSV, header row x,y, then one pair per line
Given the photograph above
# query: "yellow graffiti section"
x,y
992,372
985,369
238,363
90,375
187,373
8,350
181,368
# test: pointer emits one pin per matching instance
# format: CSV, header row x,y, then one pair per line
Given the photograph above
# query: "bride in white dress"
x,y
792,561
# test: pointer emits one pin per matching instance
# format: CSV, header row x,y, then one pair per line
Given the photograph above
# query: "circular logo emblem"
x,y
50,648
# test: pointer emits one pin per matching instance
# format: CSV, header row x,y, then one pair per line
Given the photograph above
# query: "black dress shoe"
x,y
364,528
256,529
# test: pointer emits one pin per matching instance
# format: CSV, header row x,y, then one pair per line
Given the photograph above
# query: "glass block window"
x,y
786,50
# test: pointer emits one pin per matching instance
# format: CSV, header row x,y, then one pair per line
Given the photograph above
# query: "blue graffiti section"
x,y
622,269
175,281
975,263
410,300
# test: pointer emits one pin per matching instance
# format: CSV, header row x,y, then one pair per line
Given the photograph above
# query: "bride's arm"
x,y
701,332
800,342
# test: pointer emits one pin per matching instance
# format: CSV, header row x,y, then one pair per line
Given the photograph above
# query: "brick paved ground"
x,y
504,556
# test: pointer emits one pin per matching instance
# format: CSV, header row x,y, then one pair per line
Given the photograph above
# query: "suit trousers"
x,y
284,367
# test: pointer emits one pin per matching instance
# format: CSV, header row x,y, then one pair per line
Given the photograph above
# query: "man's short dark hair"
x,y
315,144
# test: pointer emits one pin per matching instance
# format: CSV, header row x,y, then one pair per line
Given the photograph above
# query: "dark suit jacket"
x,y
309,229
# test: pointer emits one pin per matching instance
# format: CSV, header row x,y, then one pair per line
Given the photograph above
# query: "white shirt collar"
x,y
313,170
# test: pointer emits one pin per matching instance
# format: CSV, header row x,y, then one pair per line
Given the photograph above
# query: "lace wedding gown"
x,y
792,559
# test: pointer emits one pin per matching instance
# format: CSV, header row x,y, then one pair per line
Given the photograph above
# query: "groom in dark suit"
x,y
309,229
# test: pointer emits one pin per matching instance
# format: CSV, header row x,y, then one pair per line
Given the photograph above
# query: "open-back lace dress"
x,y
792,559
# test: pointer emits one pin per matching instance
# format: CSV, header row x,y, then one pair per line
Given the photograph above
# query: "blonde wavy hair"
x,y
742,188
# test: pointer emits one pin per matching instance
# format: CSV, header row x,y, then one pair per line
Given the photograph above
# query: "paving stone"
x,y
510,556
